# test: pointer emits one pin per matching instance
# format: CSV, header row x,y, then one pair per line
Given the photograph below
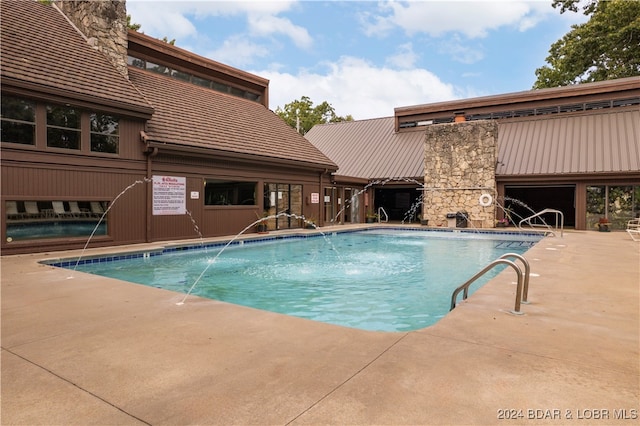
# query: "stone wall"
x,y
104,24
460,162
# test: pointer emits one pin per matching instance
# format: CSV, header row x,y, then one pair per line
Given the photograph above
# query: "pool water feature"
x,y
382,280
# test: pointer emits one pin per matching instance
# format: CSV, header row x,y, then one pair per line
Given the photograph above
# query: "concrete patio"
x,y
79,349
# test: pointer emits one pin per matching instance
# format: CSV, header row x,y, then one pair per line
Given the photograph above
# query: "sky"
x,y
366,58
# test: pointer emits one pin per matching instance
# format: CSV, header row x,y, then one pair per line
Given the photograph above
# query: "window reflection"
x,y
27,219
104,133
228,193
18,121
63,127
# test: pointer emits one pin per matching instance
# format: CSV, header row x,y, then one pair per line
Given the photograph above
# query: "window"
x,y
104,133
18,121
198,81
29,219
219,87
160,69
138,63
179,75
283,198
201,82
63,127
227,193
616,203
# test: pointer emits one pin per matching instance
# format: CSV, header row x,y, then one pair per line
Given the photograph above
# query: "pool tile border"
x,y
73,262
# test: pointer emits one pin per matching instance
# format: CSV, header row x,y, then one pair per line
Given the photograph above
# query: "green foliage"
x,y
171,42
131,26
302,115
604,48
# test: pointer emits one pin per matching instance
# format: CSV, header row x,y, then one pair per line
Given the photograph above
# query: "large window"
x,y
229,193
616,203
29,220
104,133
63,127
199,81
18,121
286,199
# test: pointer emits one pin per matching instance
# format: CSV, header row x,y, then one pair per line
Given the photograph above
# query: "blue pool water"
x,y
381,280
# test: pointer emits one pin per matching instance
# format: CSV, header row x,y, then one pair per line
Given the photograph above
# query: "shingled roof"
x,y
189,116
43,53
371,149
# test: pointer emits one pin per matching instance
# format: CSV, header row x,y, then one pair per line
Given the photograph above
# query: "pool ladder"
x,y
552,230
522,289
382,213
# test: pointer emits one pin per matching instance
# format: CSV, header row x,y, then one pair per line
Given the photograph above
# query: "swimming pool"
x,y
382,280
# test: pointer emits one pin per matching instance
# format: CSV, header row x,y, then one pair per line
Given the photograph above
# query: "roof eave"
x,y
53,94
572,177
610,86
246,157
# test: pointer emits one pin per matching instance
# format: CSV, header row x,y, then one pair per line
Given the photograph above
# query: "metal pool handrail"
x,y
527,273
465,287
382,211
540,213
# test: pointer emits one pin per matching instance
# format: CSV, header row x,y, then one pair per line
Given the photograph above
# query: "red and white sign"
x,y
315,198
169,195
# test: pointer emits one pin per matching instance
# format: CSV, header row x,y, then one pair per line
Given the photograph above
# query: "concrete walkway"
x,y
90,350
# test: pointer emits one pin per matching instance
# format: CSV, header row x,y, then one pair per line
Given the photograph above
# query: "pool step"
x,y
515,244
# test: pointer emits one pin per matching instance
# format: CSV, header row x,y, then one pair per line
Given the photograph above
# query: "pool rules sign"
x,y
169,195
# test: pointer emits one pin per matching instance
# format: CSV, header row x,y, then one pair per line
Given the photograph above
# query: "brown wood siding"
x,y
223,220
131,146
125,221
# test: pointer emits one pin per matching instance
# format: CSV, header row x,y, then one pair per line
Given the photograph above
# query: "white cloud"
x,y
471,18
461,51
161,20
262,25
174,19
238,52
405,59
355,87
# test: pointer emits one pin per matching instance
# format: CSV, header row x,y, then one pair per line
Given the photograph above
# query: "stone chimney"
x,y
104,25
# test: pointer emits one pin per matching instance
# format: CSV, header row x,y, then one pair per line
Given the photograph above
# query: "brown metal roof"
x,y
607,142
42,52
370,149
604,142
190,116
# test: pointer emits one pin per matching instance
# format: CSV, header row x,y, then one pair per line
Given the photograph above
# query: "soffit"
x,y
609,89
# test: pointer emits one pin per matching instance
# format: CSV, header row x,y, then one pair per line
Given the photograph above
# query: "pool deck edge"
x,y
79,349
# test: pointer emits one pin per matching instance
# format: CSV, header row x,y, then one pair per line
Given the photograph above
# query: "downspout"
x,y
149,152
321,205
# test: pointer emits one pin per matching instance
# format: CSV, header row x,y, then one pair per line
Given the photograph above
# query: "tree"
x,y
171,42
302,115
605,47
132,26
